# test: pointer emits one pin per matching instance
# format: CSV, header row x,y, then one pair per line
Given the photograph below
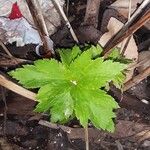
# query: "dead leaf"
x,y
143,56
122,7
114,26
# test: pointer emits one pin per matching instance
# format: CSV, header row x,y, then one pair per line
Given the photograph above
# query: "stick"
x,y
36,13
144,4
129,101
60,10
55,126
141,63
137,79
72,133
11,61
129,22
10,56
86,138
125,45
6,49
16,88
130,8
130,31
67,7
126,41
78,133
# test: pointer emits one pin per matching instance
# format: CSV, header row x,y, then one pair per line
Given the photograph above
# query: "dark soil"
x,y
21,130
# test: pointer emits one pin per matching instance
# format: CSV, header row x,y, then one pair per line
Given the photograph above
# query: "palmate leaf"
x,y
57,98
72,86
95,73
41,73
98,107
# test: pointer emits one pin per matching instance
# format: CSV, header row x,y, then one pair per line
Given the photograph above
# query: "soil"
x,y
23,129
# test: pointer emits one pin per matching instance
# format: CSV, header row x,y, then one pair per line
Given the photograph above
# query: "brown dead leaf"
x,y
144,56
122,7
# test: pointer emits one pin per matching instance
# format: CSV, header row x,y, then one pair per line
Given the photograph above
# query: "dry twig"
x,y
86,138
8,55
61,12
126,41
108,47
137,79
55,126
128,23
76,133
5,49
16,88
36,13
141,63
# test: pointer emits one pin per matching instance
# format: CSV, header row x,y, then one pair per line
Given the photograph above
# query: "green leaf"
x,y
94,105
56,98
41,73
119,80
68,55
116,56
72,87
95,73
96,50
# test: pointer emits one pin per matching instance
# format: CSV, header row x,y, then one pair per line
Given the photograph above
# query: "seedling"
x,y
75,86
